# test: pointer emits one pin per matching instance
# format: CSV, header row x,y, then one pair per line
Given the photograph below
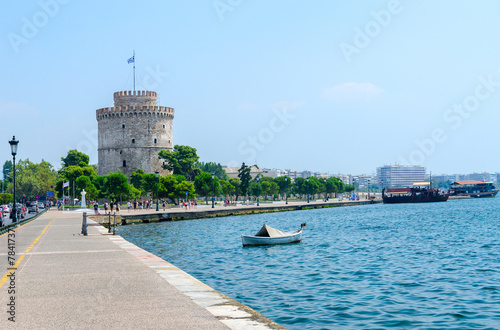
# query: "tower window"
x,y
163,126
121,152
124,163
123,125
133,141
155,140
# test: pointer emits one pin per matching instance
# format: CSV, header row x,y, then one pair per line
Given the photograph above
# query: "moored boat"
x,y
269,236
473,189
419,193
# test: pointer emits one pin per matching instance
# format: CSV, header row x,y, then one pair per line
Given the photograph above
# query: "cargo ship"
x,y
473,189
419,193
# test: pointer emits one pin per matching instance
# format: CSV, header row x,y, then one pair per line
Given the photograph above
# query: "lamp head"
x,y
13,145
157,173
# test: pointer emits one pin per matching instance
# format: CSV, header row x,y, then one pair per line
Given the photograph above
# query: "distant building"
x,y
484,176
399,175
232,172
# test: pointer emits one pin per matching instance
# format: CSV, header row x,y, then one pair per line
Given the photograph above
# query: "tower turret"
x,y
131,133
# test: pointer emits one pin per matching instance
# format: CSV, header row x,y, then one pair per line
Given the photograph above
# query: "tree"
x,y
274,189
33,179
227,188
212,167
283,182
265,188
205,185
300,186
7,169
137,178
245,178
334,185
180,160
116,186
235,182
84,182
315,186
75,158
6,198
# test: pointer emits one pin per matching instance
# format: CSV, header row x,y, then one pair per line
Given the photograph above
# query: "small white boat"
x,y
268,236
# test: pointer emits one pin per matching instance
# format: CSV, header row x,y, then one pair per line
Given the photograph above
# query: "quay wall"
x,y
200,213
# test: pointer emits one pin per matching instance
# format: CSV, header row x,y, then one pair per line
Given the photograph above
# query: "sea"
x,y
379,266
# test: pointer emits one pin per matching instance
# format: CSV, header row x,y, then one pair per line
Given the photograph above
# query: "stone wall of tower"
x,y
131,133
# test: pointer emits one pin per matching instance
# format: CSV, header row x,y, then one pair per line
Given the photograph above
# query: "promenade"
x,y
65,280
206,211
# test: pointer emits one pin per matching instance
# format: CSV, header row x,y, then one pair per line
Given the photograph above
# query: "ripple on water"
x,y
376,266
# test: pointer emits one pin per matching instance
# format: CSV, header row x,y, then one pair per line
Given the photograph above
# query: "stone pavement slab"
x,y
69,281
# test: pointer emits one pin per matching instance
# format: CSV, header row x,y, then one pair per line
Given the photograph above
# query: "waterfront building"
x,y
399,175
483,176
232,171
132,132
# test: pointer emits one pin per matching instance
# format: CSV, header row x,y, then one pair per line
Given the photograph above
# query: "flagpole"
x,y
134,69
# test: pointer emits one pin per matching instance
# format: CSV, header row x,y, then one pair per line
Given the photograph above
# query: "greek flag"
x,y
131,60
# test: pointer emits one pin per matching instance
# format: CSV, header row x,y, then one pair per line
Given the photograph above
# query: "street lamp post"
x,y
308,190
157,174
13,148
325,189
213,190
286,190
258,191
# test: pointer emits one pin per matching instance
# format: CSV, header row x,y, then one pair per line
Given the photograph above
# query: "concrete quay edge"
x,y
203,212
229,311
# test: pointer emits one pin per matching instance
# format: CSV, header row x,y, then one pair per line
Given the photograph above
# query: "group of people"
x,y
111,206
187,204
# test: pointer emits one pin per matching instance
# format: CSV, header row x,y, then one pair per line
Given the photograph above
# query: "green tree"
x,y
300,186
116,186
283,182
7,170
33,179
137,178
205,185
212,167
245,178
180,160
227,188
75,158
235,182
274,189
6,198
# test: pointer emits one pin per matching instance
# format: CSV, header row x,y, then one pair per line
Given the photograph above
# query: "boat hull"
x,y
257,240
409,199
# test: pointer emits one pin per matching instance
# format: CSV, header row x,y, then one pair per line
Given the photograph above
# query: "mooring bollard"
x,y
114,224
84,224
109,222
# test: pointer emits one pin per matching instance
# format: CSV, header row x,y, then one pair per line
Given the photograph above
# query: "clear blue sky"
x,y
362,83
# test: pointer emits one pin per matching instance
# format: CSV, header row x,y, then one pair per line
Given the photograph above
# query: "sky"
x,y
329,86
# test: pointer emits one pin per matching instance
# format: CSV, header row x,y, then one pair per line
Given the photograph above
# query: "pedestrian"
x,y
135,205
111,205
117,207
96,208
163,205
105,207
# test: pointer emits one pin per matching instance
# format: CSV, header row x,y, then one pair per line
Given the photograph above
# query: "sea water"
x,y
431,265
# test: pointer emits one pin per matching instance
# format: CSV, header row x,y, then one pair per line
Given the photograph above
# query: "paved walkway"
x,y
67,281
